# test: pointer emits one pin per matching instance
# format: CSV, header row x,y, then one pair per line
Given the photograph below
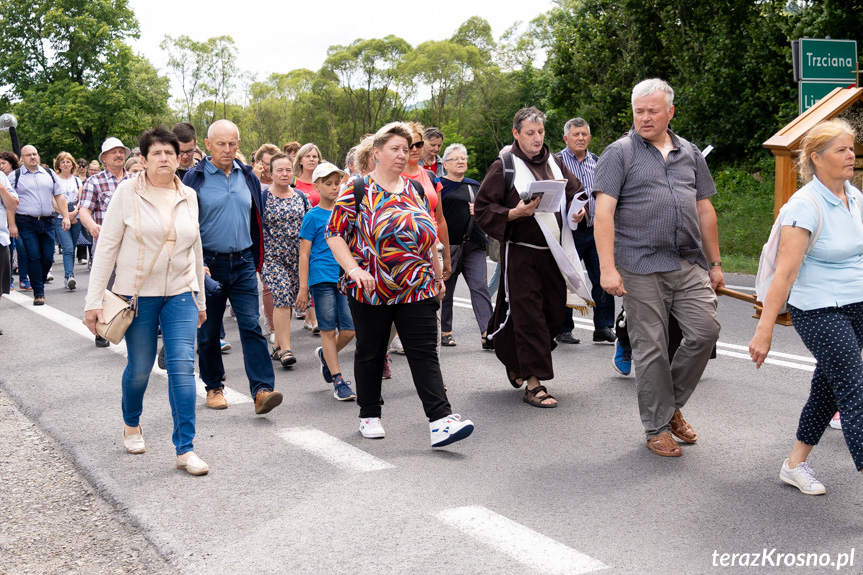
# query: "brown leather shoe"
x,y
216,398
664,445
266,400
682,430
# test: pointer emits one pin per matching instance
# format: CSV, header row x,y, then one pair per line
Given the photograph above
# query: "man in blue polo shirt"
x,y
36,188
229,197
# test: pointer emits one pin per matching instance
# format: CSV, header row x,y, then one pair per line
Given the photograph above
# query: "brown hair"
x,y
280,156
270,149
65,156
291,147
816,141
11,158
416,129
363,153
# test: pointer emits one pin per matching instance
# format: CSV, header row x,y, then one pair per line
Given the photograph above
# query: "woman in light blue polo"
x,y
824,290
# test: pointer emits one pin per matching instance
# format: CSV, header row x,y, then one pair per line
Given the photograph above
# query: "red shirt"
x,y
309,190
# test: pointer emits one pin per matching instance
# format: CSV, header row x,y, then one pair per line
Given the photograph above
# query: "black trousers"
x,y
416,323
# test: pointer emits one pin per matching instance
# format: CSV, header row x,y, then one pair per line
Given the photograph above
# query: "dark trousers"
x,y
468,259
38,238
416,323
17,246
834,336
236,273
603,313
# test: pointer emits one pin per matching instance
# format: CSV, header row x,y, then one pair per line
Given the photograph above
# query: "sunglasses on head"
x,y
418,145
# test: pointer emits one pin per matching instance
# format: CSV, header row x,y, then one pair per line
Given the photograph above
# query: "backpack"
x,y
50,173
770,251
509,169
360,182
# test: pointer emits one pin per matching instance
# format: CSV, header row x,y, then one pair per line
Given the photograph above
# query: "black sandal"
x,y
513,380
276,352
287,359
530,396
446,340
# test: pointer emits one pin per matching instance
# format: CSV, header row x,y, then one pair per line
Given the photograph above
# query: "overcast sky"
x,y
273,36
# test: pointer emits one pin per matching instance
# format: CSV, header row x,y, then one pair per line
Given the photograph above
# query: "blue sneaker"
x,y
342,390
225,346
622,362
25,286
325,370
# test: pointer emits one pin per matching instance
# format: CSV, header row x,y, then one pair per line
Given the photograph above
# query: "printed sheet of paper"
x,y
550,192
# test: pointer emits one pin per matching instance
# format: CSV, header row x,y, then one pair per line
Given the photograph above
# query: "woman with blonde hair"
x,y
152,221
134,165
820,276
65,167
308,158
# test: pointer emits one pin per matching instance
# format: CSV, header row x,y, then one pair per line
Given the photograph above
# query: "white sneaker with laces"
x,y
802,477
397,347
449,429
371,427
836,422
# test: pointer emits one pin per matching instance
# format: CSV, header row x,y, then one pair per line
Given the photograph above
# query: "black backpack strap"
x,y
508,171
17,177
358,182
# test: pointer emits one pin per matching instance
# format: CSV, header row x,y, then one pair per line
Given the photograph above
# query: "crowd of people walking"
x,y
371,254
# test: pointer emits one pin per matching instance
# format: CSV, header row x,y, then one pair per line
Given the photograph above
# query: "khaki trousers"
x,y
664,388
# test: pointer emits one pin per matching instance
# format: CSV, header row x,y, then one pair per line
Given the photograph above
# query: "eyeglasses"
x,y
459,159
419,145
187,152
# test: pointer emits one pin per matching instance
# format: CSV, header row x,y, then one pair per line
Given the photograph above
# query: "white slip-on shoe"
x,y
134,443
371,427
194,465
449,429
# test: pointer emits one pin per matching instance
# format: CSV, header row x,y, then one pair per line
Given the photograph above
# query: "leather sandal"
x,y
276,352
682,430
530,396
513,380
664,445
446,340
286,357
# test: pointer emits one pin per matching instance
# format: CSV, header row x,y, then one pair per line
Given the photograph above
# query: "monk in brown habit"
x,y
533,294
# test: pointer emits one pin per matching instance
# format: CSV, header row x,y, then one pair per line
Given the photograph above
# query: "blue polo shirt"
x,y
225,210
36,190
832,273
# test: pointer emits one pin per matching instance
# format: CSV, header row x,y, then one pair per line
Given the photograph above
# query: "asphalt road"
x,y
566,490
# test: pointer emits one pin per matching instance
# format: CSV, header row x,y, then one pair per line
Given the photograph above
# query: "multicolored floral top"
x,y
392,238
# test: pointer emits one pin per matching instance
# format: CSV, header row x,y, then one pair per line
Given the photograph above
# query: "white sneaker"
x,y
836,423
371,427
194,465
449,429
802,477
397,347
49,278
308,325
272,338
70,283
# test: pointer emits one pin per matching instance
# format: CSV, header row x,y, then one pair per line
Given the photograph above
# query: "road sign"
x,y
818,59
811,92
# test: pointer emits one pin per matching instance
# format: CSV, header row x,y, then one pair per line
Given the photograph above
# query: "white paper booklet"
x,y
550,192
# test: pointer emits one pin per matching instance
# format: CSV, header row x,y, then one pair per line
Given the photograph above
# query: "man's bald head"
x,y
223,142
30,157
222,126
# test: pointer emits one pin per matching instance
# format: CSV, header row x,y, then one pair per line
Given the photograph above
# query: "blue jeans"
x,y
603,313
236,272
38,238
17,247
68,240
331,307
494,282
178,316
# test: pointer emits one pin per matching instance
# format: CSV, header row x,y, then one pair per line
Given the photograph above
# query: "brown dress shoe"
x,y
682,430
664,445
266,400
216,398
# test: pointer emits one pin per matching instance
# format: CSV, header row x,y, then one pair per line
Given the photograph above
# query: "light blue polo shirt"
x,y
832,273
225,210
36,190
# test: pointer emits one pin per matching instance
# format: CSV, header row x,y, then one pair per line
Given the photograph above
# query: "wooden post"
x,y
786,179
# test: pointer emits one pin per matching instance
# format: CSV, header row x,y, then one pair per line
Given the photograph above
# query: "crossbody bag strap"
x,y
470,223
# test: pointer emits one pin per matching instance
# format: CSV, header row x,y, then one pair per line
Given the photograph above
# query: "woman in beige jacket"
x,y
153,219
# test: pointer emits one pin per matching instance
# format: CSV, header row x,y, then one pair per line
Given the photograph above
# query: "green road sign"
x,y
811,92
827,59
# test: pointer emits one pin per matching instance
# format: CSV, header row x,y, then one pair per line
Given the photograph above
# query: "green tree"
x,y
71,76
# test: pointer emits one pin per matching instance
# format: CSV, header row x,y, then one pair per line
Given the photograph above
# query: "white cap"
x,y
325,169
112,143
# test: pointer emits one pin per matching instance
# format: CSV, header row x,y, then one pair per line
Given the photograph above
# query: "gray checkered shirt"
x,y
656,219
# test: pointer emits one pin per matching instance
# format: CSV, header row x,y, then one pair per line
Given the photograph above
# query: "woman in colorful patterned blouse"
x,y
393,276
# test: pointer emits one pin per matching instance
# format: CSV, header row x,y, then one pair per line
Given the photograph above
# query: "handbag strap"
x,y
140,283
470,223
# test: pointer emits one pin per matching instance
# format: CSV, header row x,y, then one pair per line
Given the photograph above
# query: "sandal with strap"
x,y
682,430
446,340
531,397
513,380
664,445
286,357
276,352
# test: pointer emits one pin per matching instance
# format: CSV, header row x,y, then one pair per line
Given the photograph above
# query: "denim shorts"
x,y
331,307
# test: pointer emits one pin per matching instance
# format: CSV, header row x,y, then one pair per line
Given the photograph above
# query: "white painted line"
x,y
745,348
800,366
335,451
525,545
74,324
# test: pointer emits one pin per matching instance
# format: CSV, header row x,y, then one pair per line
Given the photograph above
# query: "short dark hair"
x,y
185,132
280,156
11,158
158,134
431,133
291,147
531,114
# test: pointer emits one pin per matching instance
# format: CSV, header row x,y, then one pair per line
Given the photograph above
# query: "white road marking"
x,y
333,450
525,545
74,324
809,368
